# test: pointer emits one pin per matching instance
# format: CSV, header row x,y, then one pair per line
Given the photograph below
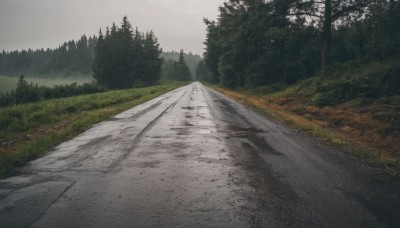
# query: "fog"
x,y
178,24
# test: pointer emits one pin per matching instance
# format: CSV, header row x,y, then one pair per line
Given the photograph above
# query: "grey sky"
x,y
47,23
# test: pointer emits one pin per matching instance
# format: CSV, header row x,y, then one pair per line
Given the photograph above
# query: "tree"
x,y
125,58
212,50
182,70
324,14
253,43
25,92
70,58
176,70
203,74
191,59
152,59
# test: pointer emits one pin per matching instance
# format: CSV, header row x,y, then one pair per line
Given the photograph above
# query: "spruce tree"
x,y
182,70
125,58
152,59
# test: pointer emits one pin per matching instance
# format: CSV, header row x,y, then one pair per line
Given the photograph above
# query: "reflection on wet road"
x,y
195,158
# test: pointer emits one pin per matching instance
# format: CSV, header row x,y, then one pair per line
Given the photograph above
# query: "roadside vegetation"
x,y
357,111
29,130
330,68
8,83
36,118
28,92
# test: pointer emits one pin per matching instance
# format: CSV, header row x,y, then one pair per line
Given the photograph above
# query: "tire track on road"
x,y
141,134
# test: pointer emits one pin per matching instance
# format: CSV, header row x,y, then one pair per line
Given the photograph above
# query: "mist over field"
x,y
178,24
199,113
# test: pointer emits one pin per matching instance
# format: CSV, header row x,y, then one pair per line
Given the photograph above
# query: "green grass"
x,y
32,129
9,83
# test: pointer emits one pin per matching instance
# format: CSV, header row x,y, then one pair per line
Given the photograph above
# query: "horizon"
x,y
50,23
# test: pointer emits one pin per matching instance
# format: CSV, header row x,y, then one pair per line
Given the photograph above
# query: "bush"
x,y
373,80
27,93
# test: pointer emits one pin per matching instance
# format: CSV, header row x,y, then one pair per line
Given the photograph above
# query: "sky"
x,y
178,24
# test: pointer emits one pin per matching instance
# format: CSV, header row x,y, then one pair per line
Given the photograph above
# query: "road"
x,y
195,158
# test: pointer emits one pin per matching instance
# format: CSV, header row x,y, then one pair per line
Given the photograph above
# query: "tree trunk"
x,y
326,36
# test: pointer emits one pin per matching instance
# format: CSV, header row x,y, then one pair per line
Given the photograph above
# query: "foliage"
x,y
29,92
256,43
373,80
203,72
191,60
347,128
177,70
29,130
70,58
8,83
125,58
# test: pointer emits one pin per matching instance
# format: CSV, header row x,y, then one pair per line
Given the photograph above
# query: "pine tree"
x,y
152,59
182,70
125,58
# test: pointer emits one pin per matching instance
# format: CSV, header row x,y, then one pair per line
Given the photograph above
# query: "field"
x,y
8,83
29,130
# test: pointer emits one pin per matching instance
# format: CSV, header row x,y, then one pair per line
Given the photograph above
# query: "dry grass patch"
x,y
369,132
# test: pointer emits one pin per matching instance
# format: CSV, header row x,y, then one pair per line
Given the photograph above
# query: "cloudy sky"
x,y
178,24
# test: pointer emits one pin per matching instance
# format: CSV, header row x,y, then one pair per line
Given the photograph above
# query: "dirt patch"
x,y
372,126
8,147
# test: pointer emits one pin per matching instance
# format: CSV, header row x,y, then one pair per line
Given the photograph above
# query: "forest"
x,y
255,42
73,59
121,58
70,58
179,66
126,58
191,60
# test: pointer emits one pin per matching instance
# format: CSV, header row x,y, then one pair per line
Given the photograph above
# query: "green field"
x,y
29,130
8,83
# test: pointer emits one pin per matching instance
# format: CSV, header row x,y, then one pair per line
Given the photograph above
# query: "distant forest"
x,y
70,58
191,59
119,58
179,66
256,42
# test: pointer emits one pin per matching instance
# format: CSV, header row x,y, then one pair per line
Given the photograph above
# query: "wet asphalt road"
x,y
195,158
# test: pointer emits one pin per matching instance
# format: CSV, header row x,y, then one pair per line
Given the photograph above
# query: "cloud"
x,y
47,23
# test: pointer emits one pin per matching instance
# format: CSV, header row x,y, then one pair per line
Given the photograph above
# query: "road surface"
x,y
195,158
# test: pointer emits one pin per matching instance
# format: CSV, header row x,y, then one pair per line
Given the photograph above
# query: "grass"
x,y
29,130
9,83
357,132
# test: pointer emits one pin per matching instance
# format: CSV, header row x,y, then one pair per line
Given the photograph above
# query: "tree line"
x,y
72,57
122,58
257,42
179,70
126,58
191,59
